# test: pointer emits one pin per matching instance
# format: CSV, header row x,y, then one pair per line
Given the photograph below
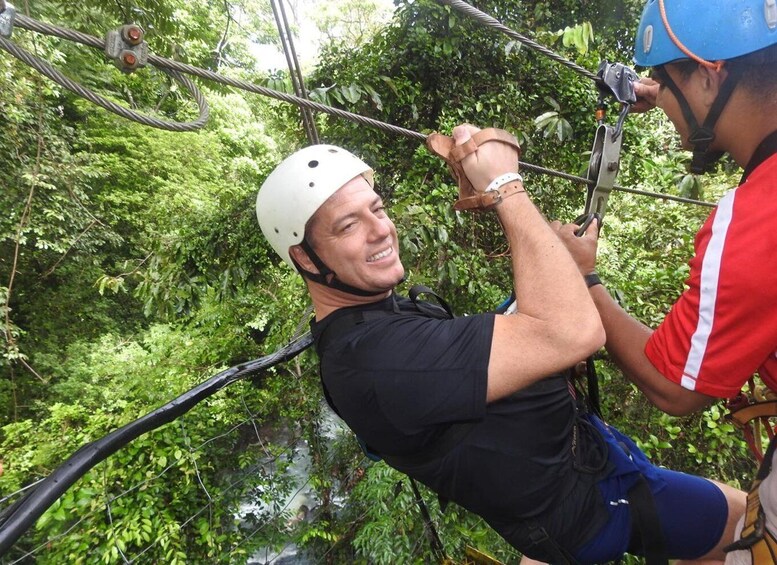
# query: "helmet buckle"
x,y
702,136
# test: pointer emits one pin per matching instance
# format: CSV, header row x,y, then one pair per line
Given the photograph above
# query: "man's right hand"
x,y
488,162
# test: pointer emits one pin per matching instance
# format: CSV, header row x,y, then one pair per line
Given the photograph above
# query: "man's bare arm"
x,y
557,323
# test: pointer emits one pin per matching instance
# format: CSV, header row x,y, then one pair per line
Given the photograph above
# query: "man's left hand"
x,y
583,248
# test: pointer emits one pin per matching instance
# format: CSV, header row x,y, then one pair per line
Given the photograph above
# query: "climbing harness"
x,y
447,440
646,536
755,538
750,411
647,533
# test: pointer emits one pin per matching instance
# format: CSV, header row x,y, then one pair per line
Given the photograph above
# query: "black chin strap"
x,y
328,277
702,137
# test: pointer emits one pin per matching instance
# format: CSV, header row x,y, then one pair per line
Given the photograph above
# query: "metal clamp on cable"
x,y
7,19
127,48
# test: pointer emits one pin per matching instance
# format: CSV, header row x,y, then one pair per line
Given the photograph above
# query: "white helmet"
x,y
298,187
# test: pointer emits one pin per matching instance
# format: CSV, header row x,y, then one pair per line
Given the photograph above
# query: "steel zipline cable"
x,y
489,21
183,68
163,63
47,70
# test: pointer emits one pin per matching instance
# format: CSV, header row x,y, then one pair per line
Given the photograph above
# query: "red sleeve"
x,y
724,327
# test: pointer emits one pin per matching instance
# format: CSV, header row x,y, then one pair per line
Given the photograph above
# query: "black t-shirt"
x,y
399,380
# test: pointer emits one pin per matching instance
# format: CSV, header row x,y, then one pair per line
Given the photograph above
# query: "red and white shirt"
x,y
724,326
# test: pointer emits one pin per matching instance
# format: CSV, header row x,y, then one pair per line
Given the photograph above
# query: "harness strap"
x,y
755,538
640,497
646,524
434,539
427,308
765,551
541,540
752,417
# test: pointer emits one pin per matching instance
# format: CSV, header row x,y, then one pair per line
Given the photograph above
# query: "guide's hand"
x,y
646,90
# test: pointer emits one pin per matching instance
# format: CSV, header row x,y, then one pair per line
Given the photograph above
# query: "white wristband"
x,y
502,180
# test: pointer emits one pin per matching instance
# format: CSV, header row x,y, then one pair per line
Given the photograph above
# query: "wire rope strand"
x,y
161,62
49,71
582,180
490,21
295,73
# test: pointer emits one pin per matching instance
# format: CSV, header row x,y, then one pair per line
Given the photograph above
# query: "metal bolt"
x,y
129,59
132,34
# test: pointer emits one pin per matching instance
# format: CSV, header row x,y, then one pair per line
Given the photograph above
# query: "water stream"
x,y
302,503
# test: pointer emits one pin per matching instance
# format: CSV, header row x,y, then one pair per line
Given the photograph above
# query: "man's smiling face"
x,y
355,238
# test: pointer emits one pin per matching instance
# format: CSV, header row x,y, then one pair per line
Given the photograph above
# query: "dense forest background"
x,y
132,267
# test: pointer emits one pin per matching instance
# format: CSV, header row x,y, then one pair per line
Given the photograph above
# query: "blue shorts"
x,y
693,511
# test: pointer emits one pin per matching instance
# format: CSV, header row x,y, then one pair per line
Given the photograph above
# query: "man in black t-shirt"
x,y
477,408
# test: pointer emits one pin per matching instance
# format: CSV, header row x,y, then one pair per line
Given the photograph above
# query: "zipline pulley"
x,y
616,80
7,18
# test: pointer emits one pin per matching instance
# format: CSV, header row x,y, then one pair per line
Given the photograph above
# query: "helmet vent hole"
x,y
647,39
313,164
276,230
333,150
295,234
311,184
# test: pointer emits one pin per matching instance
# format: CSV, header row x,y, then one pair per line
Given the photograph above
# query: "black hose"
x,y
19,517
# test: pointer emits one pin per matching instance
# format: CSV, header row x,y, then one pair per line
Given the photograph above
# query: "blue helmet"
x,y
713,30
